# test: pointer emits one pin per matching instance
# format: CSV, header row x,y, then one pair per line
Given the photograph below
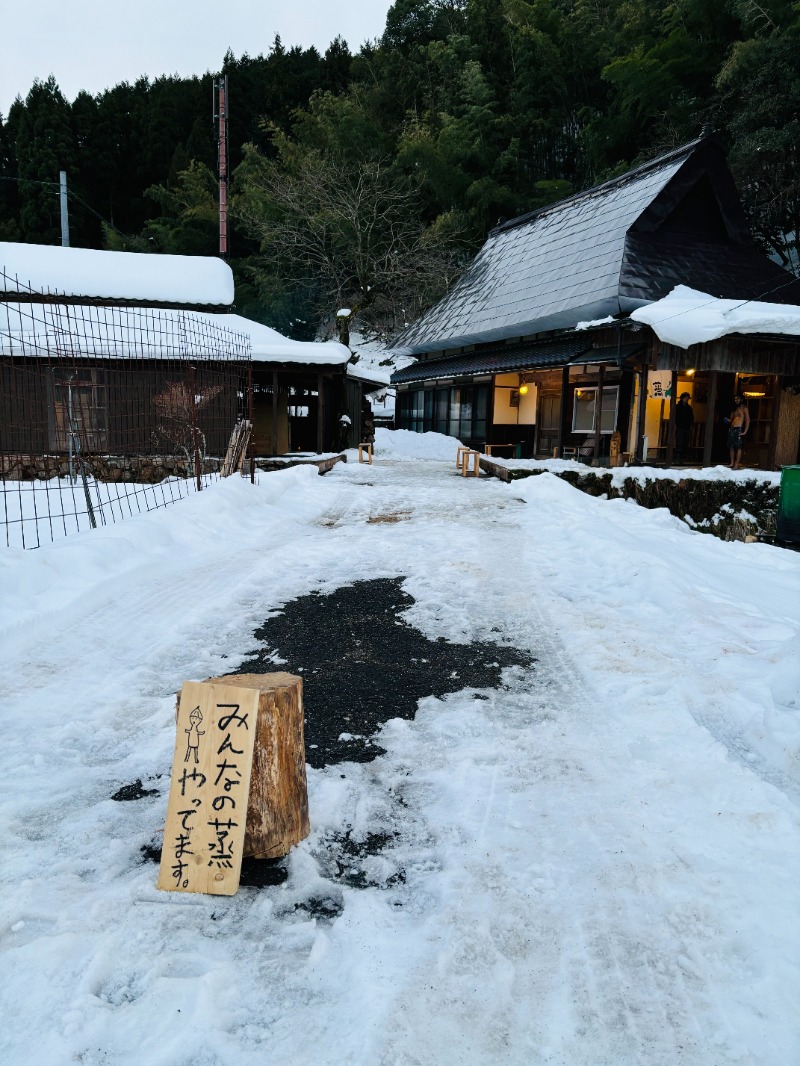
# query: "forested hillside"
x,y
364,179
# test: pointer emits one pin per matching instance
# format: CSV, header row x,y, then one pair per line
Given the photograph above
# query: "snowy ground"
x,y
599,861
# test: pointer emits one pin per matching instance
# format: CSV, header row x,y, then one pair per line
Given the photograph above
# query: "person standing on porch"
x,y
738,425
684,420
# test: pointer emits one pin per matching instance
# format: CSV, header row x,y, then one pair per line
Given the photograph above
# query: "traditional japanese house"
x,y
534,347
106,351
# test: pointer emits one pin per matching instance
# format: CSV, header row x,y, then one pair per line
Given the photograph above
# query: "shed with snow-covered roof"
x,y
535,347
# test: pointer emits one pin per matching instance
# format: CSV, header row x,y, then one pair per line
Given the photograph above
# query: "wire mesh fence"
x,y
109,411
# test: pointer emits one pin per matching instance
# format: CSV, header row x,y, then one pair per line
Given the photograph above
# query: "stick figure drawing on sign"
x,y
194,731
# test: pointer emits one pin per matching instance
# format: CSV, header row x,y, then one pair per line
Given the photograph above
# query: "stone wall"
x,y
142,469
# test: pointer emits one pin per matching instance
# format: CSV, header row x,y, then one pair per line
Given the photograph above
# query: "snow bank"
x,y
404,444
686,316
53,576
708,625
85,272
620,474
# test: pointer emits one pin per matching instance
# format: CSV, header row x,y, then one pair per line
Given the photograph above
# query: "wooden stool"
x,y
368,448
472,457
459,455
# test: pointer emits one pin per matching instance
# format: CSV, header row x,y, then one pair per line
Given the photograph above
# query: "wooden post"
x,y
251,444
598,412
489,411
673,403
562,408
642,413
708,443
772,449
320,414
275,412
198,473
277,807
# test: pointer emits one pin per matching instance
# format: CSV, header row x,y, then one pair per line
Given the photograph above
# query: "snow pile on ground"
x,y
717,623
686,316
404,444
232,510
595,863
619,474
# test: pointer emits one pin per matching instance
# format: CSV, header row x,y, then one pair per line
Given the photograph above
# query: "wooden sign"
x,y
209,790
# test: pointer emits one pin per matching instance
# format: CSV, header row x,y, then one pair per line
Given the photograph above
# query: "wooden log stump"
x,y
277,808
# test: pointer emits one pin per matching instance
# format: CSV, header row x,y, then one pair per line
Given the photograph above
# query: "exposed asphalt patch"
x,y
362,664
134,791
256,873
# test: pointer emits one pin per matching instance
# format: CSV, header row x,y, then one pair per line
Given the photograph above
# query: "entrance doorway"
x,y
548,423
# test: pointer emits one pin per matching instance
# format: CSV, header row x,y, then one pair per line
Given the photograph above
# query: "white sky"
x,y
93,44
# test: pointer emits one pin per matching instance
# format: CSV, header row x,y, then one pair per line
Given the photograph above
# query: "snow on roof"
x,y
687,316
51,330
269,346
156,333
369,374
86,273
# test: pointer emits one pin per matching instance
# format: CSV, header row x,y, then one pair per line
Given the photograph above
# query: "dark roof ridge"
x,y
629,175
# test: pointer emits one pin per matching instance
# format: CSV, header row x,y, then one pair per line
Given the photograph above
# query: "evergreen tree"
x,y
44,145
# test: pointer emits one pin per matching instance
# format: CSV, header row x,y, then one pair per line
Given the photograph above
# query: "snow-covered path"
x,y
597,863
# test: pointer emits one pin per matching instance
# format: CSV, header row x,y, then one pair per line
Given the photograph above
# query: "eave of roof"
x,y
508,359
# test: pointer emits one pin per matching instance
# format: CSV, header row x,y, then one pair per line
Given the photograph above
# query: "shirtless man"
x,y
738,425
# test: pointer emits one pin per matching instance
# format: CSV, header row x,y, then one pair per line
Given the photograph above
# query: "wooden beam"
x,y
320,413
710,418
598,410
489,411
562,408
773,433
673,403
274,412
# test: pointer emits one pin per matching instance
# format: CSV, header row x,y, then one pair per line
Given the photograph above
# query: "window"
x,y
459,412
584,409
79,410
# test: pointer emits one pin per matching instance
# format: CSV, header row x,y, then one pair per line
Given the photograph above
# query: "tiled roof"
x,y
546,271
654,265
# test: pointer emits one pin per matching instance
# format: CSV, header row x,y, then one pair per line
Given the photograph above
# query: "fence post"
x,y
195,433
251,443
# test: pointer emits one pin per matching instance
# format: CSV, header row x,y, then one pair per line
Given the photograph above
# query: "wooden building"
x,y
535,347
126,354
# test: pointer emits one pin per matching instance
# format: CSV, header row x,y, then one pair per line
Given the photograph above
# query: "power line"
x,y
71,194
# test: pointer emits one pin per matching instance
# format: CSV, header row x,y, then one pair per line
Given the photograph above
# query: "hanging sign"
x,y
209,789
659,384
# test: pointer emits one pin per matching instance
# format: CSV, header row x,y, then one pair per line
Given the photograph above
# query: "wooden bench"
x,y
516,449
362,448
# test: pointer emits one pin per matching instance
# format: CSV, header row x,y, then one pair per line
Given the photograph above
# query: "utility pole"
x,y
220,102
62,181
